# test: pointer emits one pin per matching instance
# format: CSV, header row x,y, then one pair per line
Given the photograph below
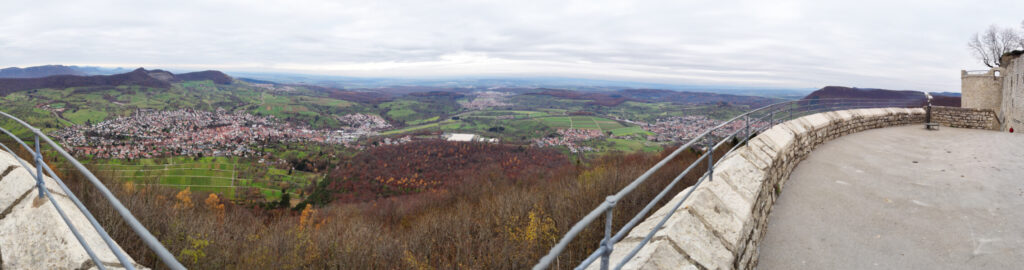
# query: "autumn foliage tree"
x,y
502,207
421,166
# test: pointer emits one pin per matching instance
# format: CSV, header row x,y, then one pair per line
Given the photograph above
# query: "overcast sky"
x,y
801,44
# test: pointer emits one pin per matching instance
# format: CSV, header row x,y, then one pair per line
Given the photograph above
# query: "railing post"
x,y
39,168
711,157
771,118
607,242
746,119
791,105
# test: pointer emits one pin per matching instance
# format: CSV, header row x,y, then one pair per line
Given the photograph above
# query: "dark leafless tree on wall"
x,y
990,45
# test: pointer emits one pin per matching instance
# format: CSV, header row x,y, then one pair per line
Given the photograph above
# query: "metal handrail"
x,y
758,119
161,252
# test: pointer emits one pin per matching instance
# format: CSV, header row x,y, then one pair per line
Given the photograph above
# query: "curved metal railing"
x,y
161,252
740,127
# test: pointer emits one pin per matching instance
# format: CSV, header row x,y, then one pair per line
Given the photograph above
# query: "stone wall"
x,y
965,117
1000,89
724,220
982,91
1012,109
32,233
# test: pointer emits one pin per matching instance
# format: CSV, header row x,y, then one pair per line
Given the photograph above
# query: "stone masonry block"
x,y
838,116
40,220
690,234
724,190
659,254
755,153
816,121
744,176
797,128
717,216
14,185
780,139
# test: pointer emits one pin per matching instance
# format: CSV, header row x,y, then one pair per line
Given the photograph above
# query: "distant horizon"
x,y
196,68
593,82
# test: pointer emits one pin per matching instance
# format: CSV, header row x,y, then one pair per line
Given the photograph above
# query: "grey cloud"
x,y
787,43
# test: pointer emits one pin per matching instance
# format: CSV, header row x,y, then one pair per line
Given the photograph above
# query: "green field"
x,y
518,125
581,122
627,131
415,110
214,174
506,113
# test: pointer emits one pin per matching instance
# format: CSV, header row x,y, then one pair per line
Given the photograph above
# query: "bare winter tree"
x,y
990,45
1021,38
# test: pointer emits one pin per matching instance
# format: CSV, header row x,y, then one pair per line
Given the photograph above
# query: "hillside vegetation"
x,y
490,220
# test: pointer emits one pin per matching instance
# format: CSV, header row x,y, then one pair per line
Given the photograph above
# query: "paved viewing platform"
x,y
902,198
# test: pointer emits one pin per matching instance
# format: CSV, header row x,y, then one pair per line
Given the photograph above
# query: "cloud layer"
x,y
902,45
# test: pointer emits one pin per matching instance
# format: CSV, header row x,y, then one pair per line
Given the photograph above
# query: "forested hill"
x,y
141,77
875,93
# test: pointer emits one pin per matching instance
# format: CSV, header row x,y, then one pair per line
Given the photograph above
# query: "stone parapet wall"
x,y
724,220
32,233
965,117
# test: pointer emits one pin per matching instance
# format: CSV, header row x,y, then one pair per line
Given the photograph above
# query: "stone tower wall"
x,y
1000,89
1012,108
981,91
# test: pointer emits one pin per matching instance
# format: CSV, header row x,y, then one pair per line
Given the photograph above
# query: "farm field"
x,y
507,113
627,131
414,110
214,174
581,122
520,124
416,128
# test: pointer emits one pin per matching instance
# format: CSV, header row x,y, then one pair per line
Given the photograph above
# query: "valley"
x,y
399,160
146,126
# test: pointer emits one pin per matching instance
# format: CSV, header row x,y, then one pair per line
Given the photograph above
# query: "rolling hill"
x,y
53,70
40,71
140,77
828,92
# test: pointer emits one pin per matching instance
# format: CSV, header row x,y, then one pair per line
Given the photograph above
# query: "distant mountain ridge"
x,y
939,99
40,71
54,70
142,77
468,82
